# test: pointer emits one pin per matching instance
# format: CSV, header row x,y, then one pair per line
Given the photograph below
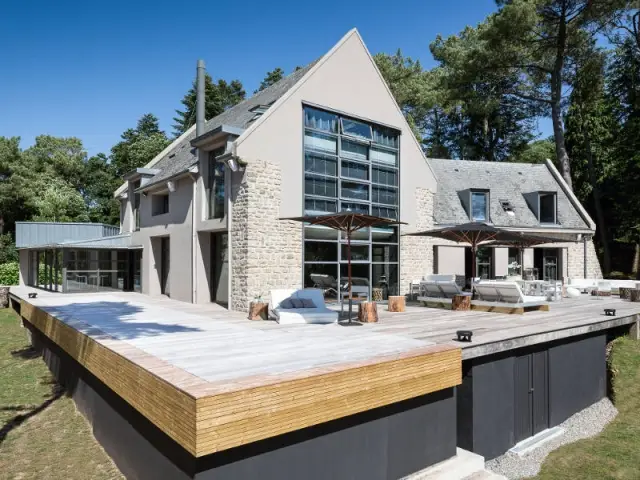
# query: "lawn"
x,y
615,453
42,435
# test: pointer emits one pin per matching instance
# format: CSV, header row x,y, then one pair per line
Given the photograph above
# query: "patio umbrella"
x,y
476,234
347,222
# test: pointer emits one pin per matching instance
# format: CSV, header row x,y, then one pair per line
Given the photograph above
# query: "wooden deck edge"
x,y
169,408
237,418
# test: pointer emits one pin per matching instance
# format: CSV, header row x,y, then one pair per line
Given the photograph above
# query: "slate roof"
x,y
505,181
183,156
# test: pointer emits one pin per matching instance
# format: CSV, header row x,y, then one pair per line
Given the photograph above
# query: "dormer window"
x,y
547,207
479,206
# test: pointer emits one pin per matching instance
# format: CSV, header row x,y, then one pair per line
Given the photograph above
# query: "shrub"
x,y
9,273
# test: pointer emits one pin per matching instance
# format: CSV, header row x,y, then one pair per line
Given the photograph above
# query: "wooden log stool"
x,y
397,303
258,310
461,303
368,312
376,294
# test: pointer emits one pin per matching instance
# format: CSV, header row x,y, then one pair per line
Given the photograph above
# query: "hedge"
x,y
9,273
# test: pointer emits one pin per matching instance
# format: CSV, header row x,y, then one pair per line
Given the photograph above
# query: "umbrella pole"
x,y
349,271
474,252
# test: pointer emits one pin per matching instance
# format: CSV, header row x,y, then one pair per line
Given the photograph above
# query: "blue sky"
x,y
91,69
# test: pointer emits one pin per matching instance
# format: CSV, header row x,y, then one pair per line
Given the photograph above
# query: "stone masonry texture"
x,y
416,253
575,253
266,252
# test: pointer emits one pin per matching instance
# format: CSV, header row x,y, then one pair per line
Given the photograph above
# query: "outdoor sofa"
x,y
286,307
439,290
505,297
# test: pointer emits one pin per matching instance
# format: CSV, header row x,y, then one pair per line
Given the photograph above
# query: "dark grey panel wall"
x,y
491,405
505,398
577,376
386,443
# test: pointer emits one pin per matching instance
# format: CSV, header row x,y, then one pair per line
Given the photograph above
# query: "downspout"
x,y
584,252
200,101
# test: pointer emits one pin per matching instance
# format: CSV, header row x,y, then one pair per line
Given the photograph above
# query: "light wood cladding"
x,y
206,417
169,408
235,418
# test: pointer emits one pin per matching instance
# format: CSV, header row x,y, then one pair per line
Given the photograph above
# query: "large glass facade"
x,y
350,165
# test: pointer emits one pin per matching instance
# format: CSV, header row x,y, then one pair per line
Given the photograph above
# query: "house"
x,y
204,215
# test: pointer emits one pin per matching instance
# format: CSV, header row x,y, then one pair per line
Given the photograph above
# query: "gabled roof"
x,y
505,181
180,156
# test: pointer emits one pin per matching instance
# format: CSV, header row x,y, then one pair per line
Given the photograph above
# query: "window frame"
x,y
212,212
486,193
165,204
555,207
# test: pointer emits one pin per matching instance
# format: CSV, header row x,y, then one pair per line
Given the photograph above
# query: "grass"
x,y
615,453
42,435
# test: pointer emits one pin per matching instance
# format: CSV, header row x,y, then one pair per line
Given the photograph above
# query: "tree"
x,y
270,78
489,124
218,97
59,202
536,152
138,145
539,40
100,181
590,133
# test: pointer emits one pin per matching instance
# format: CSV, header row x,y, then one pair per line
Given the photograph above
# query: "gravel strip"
x,y
587,423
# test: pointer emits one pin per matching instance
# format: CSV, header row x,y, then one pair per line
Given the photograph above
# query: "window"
x,y
384,212
355,207
320,186
321,164
354,150
216,184
479,205
355,170
354,128
319,142
136,205
384,176
547,208
350,165
384,156
483,262
359,191
319,120
160,204
318,206
384,195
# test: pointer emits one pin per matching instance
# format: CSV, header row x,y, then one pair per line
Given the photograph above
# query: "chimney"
x,y
200,99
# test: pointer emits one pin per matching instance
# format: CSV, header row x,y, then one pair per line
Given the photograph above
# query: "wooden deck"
x,y
213,380
495,332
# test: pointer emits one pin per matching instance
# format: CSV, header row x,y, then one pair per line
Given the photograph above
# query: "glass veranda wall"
x,y
85,270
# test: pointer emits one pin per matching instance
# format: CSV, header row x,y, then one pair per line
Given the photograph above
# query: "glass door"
x,y
550,265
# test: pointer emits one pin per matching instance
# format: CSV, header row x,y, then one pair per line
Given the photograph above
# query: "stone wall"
x,y
266,252
575,261
416,253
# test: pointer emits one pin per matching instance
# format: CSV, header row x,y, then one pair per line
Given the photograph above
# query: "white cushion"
x,y
573,292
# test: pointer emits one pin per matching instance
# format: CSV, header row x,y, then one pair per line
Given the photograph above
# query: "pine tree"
x,y
270,78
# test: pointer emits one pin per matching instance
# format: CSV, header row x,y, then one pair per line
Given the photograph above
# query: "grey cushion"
x,y
286,303
308,303
297,303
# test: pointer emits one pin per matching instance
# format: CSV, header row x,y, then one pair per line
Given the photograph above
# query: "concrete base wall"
x,y
491,397
382,444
